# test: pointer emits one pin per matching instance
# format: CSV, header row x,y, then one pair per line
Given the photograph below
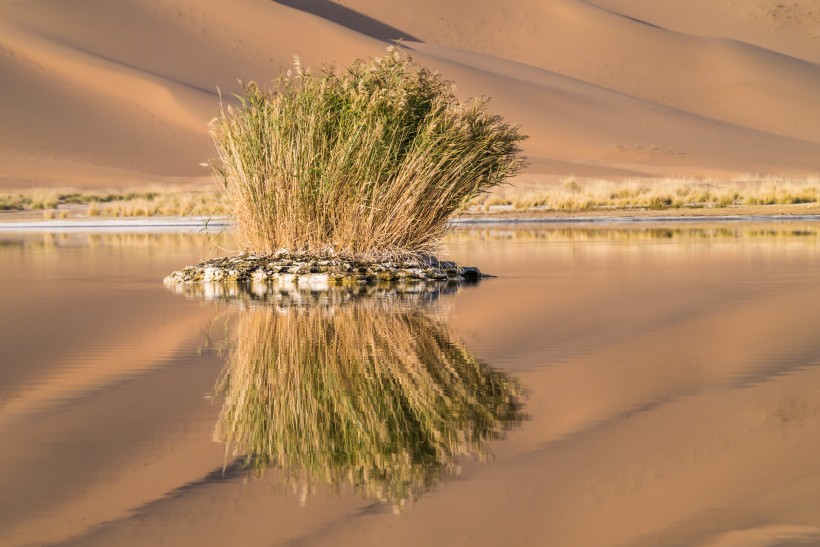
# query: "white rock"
x,y
285,279
211,274
314,281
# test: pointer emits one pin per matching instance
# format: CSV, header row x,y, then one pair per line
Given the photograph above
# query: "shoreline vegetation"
x,y
143,201
742,196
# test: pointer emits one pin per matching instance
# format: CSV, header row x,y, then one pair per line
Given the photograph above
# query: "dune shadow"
x,y
349,18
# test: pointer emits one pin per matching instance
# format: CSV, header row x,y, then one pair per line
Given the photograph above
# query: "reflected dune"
x,y
95,377
672,380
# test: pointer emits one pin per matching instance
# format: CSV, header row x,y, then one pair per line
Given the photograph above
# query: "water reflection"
x,y
374,392
642,231
805,233
116,240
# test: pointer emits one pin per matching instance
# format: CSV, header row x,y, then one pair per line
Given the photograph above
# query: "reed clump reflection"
x,y
373,393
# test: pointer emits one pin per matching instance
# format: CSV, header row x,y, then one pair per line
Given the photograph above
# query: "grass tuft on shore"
x,y
370,162
580,195
146,201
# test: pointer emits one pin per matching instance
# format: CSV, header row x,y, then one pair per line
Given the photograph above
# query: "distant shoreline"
x,y
795,213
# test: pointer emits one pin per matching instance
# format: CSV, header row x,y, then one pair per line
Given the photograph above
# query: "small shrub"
x,y
369,162
44,199
10,202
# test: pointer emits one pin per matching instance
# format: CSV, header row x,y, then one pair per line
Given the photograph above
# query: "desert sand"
x,y
102,94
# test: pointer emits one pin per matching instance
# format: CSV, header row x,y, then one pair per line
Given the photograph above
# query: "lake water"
x,y
613,385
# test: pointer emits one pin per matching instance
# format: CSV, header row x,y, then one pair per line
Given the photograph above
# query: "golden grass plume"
x,y
370,162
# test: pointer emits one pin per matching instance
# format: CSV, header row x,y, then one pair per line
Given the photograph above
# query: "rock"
x,y
315,281
287,272
259,275
286,279
470,274
211,274
416,273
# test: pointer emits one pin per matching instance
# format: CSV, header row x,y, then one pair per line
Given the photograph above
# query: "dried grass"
x,y
135,202
573,194
371,162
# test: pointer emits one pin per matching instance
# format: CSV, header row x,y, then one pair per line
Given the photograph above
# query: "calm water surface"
x,y
644,385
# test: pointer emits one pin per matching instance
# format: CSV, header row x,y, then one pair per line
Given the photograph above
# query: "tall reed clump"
x,y
368,162
372,394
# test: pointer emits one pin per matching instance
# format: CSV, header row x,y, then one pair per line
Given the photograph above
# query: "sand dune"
x,y
790,28
728,80
103,94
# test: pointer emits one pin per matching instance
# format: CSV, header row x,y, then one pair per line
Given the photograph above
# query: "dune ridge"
x,y
100,95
